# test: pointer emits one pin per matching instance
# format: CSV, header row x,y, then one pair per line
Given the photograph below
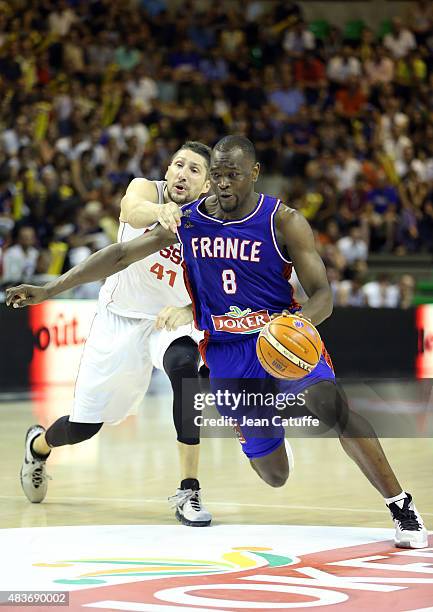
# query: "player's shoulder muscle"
x,y
293,226
142,188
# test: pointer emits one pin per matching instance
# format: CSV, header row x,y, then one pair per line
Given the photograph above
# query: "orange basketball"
x,y
289,347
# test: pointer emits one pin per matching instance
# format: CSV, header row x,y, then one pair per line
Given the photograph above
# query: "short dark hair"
x,y
228,143
197,147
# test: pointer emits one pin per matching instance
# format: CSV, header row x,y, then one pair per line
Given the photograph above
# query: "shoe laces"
x,y
38,475
407,518
182,496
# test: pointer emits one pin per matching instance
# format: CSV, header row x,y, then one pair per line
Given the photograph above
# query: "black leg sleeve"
x,y
64,432
181,362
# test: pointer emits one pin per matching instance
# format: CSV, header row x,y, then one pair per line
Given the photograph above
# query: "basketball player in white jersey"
x,y
143,320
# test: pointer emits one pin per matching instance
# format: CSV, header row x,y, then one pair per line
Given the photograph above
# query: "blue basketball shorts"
x,y
230,363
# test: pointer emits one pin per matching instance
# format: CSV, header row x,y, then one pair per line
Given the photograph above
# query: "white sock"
x,y
399,497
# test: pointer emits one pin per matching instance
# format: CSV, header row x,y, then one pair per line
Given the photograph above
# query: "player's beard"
x,y
179,198
228,206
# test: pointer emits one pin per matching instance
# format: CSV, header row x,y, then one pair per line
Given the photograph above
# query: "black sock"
x,y
34,453
190,483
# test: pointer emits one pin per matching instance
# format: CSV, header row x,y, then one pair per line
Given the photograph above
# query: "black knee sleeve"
x,y
181,362
63,431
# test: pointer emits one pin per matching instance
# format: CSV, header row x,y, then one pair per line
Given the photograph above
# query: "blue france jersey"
x,y
234,270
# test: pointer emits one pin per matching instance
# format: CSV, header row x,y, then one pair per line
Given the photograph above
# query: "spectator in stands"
x,y
426,225
6,198
351,293
412,192
127,55
353,200
353,247
366,45
400,41
381,293
142,88
407,232
346,169
381,215
334,278
309,72
407,163
343,66
398,141
19,260
17,136
406,287
298,39
41,274
379,68
332,43
61,18
232,37
10,68
383,197
351,99
288,98
420,20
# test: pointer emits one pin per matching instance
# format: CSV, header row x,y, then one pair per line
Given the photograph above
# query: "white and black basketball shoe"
x,y
189,507
34,478
409,527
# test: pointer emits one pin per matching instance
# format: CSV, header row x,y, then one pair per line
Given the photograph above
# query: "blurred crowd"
x,y
96,92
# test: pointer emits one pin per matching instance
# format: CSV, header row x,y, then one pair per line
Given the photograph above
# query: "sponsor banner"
x,y
44,342
424,325
60,329
220,569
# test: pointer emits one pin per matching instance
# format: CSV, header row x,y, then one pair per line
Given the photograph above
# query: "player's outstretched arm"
x,y
105,262
139,207
309,267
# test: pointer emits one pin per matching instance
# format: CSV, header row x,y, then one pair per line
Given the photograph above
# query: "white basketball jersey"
x,y
145,287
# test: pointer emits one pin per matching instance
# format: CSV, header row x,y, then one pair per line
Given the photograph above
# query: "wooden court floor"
x,y
126,472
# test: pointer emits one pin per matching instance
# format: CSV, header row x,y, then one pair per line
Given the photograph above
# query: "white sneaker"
x,y
34,479
409,527
189,508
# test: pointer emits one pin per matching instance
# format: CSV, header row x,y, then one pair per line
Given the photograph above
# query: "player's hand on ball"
x,y
169,216
280,314
25,295
286,313
172,317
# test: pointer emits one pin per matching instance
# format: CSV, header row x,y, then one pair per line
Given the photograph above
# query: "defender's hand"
x,y
172,317
169,216
25,295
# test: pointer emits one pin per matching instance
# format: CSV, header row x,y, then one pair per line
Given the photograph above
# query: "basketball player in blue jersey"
x,y
238,248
